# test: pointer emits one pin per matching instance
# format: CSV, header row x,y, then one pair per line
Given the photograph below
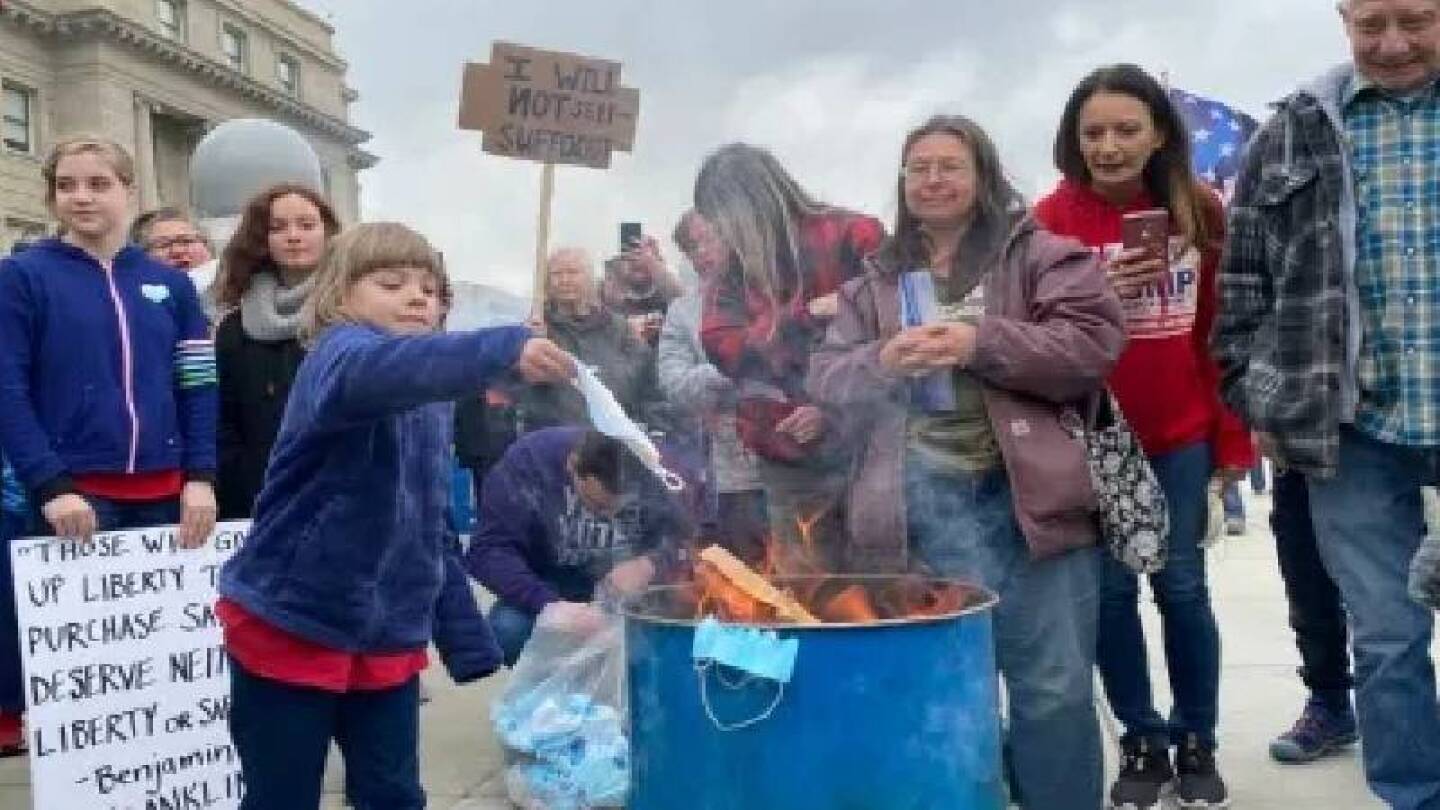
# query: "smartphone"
x,y
629,235
1149,230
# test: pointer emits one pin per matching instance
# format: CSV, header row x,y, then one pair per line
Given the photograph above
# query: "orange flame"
x,y
732,591
851,605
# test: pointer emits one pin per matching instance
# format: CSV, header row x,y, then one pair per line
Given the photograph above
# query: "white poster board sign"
x,y
126,682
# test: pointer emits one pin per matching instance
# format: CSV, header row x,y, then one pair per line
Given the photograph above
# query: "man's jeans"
x,y
1369,521
1192,639
512,628
1316,613
964,526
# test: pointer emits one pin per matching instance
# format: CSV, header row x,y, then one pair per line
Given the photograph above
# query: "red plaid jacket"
x,y
764,346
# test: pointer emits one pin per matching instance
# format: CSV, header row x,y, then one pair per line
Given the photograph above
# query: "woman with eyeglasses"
x,y
171,236
970,465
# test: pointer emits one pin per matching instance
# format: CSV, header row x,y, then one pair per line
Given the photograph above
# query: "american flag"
x,y
1218,135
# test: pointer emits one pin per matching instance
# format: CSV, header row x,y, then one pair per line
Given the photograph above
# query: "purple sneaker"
x,y
1318,732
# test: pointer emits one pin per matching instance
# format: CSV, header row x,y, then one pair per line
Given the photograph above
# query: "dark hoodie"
x,y
537,543
602,340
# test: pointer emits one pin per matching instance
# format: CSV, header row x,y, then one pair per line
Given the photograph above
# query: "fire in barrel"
x,y
787,688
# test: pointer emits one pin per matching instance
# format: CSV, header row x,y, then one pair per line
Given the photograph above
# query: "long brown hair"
x,y
1169,176
249,249
998,205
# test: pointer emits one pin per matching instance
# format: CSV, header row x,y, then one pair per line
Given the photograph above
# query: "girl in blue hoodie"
x,y
107,380
347,571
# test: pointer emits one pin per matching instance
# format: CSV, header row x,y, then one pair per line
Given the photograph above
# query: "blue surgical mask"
x,y
758,652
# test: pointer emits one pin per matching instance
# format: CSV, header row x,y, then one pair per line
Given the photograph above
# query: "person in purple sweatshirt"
x,y
566,516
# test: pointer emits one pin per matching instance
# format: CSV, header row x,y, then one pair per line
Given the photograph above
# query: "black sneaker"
x,y
1145,775
1199,786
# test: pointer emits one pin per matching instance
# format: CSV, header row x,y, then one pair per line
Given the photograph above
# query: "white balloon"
x,y
242,157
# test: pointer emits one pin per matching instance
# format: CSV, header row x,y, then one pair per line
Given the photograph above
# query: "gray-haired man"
x,y
1328,340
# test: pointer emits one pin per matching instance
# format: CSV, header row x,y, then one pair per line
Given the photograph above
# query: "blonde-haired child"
x,y
107,381
329,606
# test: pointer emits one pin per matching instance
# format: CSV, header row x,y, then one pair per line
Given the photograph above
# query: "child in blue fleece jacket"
x,y
329,606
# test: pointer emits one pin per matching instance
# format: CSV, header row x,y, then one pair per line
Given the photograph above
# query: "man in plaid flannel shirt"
x,y
1328,341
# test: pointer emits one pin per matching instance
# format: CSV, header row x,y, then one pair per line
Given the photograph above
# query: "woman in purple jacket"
x,y
995,485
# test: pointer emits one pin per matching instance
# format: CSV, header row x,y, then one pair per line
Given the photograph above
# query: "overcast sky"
x,y
829,85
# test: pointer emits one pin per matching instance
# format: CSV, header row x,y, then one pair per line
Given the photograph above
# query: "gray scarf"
x,y
270,312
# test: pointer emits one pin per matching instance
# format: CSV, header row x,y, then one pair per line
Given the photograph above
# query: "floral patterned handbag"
x,y
1134,519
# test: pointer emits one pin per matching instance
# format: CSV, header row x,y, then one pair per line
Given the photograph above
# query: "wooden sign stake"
x,y
551,107
542,242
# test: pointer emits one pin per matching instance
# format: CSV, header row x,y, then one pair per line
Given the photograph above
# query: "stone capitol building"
x,y
155,76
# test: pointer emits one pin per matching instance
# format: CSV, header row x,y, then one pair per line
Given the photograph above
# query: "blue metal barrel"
x,y
895,715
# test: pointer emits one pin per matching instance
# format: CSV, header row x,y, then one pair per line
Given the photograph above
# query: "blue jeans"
x,y
1257,476
512,628
1369,521
963,526
1192,638
283,733
1234,501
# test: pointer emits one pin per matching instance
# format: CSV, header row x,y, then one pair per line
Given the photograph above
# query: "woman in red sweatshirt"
x,y
1123,148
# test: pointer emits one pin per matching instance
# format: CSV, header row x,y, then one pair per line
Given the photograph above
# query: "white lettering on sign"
x,y
127,684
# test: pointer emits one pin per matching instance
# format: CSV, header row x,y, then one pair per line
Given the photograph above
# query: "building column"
x,y
147,183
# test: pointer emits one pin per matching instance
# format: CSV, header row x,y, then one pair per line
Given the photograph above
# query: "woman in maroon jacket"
x,y
991,486
759,321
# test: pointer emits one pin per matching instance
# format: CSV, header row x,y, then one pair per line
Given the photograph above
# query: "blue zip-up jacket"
x,y
349,546
102,372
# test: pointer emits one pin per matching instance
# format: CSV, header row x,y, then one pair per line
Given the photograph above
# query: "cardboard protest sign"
x,y
549,106
126,682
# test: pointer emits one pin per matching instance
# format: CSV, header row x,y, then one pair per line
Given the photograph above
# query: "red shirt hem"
x,y
131,487
265,650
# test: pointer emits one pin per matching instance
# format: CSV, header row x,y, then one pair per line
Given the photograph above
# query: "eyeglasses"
x,y
183,240
922,170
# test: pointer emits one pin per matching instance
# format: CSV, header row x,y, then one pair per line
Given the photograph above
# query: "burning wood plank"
x,y
851,605
744,578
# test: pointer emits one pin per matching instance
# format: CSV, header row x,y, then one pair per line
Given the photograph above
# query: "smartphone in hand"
x,y
1149,230
630,235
